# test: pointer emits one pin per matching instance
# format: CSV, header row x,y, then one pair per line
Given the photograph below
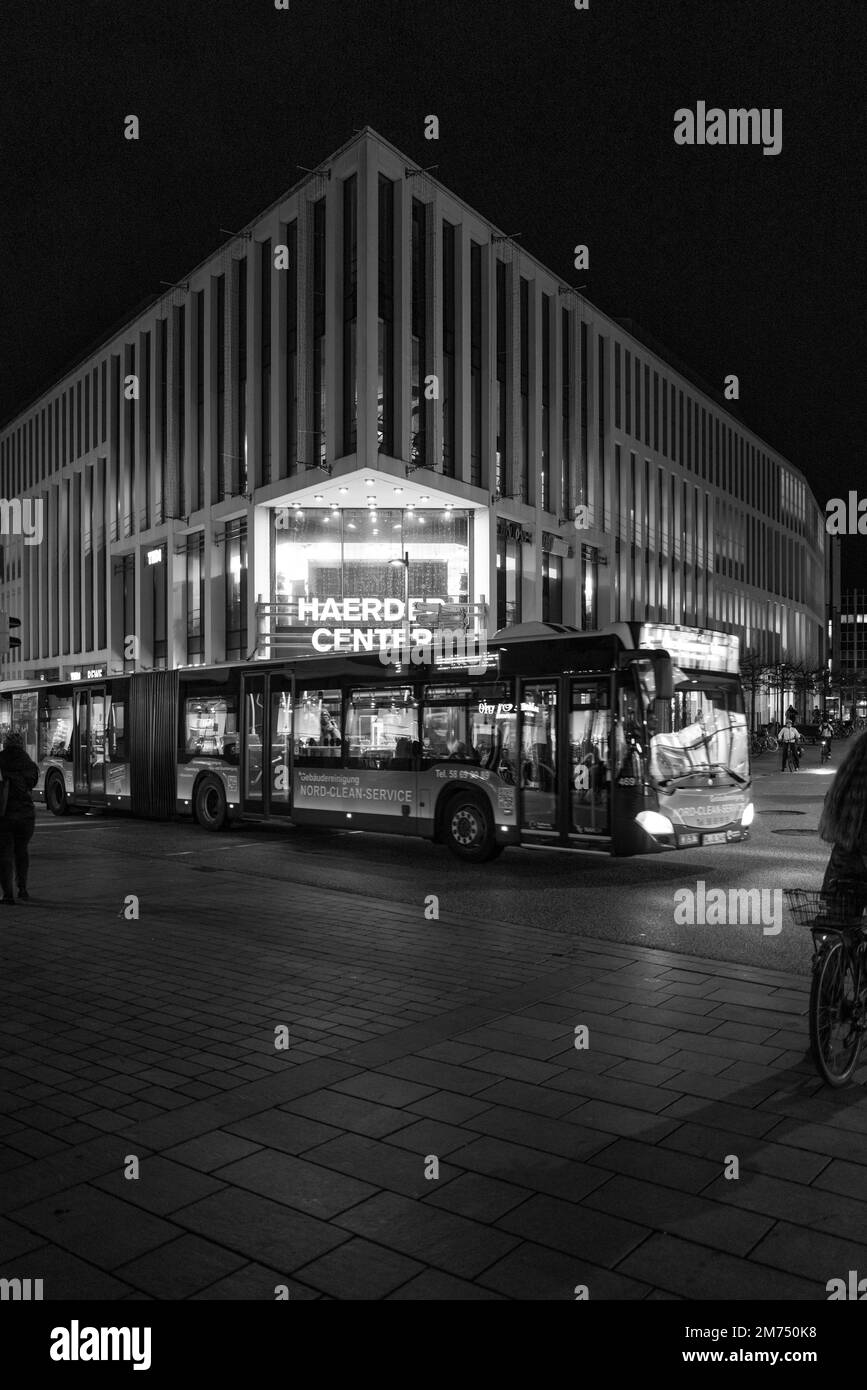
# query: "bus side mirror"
x,y
663,677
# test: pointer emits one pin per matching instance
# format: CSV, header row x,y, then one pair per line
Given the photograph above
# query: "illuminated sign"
x,y
695,648
155,557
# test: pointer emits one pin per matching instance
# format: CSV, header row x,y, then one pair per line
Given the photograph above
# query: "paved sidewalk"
x,y
409,1040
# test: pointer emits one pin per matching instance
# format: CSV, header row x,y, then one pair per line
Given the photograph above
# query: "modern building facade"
x,y
371,373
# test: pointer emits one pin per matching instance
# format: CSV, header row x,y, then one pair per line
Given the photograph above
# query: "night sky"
x,y
554,123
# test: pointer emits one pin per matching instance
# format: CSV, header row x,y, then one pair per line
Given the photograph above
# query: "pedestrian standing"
x,y
20,775
789,737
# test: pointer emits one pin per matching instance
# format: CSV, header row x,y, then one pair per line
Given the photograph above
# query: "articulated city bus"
x,y
624,741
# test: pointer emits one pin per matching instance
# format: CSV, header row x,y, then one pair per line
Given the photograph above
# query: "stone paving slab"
x,y
449,1141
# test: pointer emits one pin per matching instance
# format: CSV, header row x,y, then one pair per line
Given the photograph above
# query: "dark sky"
x,y
554,122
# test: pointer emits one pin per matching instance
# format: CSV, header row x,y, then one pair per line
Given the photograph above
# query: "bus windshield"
x,y
700,732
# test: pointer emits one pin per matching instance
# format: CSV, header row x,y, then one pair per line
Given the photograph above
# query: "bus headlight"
x,y
654,823
747,817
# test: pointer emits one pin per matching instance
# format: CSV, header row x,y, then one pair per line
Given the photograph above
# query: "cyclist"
x,y
843,824
826,733
789,739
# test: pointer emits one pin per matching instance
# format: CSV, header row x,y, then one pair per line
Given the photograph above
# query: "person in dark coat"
x,y
843,824
19,820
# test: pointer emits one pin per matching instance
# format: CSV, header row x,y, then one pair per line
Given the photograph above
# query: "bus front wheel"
x,y
210,804
468,828
55,796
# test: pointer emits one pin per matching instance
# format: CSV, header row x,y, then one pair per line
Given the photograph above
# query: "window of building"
x,y
145,410
127,564
646,404
320,555
385,390
265,362
319,335
546,403
239,469
199,495
448,344
552,588
291,274
524,297
129,480
475,364
223,474
236,589
627,373
509,578
156,573
618,417
350,314
566,406
502,358
181,398
419,328
162,387
195,598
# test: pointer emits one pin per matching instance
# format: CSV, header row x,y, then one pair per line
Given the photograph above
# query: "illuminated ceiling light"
x,y
448,506
424,499
375,531
410,506
296,505
317,497
420,520
370,481
351,525
397,490
335,511
396,526
343,489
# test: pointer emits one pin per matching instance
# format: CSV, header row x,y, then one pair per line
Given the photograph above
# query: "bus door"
x,y
267,744
589,771
89,750
540,764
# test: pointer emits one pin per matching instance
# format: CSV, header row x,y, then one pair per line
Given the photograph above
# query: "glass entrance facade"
x,y
353,553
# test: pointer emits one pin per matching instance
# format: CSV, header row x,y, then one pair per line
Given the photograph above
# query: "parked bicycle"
x,y
763,742
838,993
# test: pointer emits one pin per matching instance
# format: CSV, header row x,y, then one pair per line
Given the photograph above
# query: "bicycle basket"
x,y
812,907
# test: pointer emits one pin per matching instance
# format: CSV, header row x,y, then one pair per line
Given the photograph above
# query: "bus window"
x,y
381,728
630,736
55,725
116,736
318,741
473,724
255,735
211,727
281,743
24,719
589,735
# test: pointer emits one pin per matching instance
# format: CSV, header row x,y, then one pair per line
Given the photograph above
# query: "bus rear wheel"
x,y
210,804
468,828
55,795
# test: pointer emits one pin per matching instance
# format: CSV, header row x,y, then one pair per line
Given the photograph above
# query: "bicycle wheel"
x,y
835,1039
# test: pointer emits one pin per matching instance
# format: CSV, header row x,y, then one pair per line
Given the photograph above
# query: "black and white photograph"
x,y
433,670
